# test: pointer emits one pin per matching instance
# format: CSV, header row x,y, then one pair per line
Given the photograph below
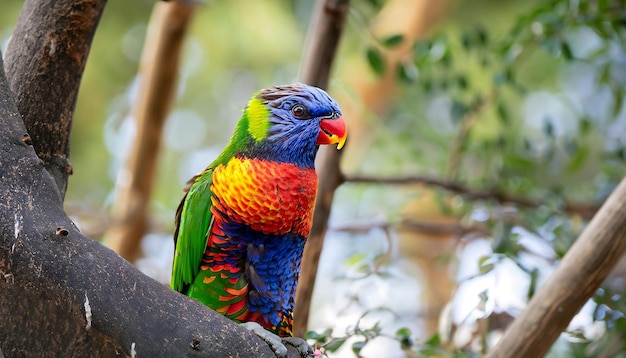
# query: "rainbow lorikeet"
x,y
244,220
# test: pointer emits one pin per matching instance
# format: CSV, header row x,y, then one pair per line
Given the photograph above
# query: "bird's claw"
x,y
301,345
277,343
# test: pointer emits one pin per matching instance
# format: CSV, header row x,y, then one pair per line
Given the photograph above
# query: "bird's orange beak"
x,y
332,131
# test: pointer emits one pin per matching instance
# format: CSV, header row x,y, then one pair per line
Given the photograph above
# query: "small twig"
x,y
584,210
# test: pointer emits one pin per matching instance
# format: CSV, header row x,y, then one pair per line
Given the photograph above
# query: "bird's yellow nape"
x,y
258,118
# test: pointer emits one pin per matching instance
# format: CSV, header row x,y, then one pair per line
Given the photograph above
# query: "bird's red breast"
x,y
270,197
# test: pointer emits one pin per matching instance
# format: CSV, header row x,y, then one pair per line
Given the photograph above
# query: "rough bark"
x,y
324,34
45,60
578,276
63,294
159,71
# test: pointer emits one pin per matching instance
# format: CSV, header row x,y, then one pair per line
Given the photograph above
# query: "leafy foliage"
x,y
533,117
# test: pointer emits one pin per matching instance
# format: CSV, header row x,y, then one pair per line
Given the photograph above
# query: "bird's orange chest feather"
x,y
270,197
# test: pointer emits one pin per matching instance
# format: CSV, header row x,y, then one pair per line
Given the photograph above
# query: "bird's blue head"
x,y
288,123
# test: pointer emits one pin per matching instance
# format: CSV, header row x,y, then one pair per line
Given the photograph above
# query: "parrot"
x,y
243,221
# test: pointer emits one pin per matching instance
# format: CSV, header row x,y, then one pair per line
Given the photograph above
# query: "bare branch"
x,y
428,227
584,210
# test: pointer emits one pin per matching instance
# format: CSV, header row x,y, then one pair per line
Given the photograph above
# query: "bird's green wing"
x,y
193,221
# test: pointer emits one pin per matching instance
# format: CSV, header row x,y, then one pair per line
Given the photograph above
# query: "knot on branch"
x,y
61,231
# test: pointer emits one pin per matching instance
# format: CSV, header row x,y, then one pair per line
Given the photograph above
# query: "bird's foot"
x,y
277,343
301,345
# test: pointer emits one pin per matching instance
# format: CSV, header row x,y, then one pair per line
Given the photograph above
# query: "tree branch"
x,y
324,33
583,269
584,210
159,70
436,228
45,60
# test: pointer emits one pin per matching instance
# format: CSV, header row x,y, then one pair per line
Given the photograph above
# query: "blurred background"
x,y
483,136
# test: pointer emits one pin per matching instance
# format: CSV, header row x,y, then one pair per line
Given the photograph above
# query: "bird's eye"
x,y
298,110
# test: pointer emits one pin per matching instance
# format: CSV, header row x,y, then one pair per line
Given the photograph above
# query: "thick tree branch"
x,y
159,72
324,33
584,210
583,269
45,60
63,294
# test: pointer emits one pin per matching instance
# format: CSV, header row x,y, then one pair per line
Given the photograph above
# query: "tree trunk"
x,y
45,60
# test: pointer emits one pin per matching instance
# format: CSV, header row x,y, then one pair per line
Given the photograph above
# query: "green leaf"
x,y
374,331
503,113
407,72
584,126
421,50
481,36
566,50
534,275
461,81
618,95
467,41
317,336
428,352
483,295
446,59
393,40
548,127
434,341
518,162
403,335
620,324
375,60
355,259
485,265
502,77
457,110
427,85
311,335
335,344
377,4
357,346
578,160
403,332
551,46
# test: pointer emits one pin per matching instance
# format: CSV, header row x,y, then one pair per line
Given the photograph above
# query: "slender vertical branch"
x,y
580,274
159,71
324,34
45,60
